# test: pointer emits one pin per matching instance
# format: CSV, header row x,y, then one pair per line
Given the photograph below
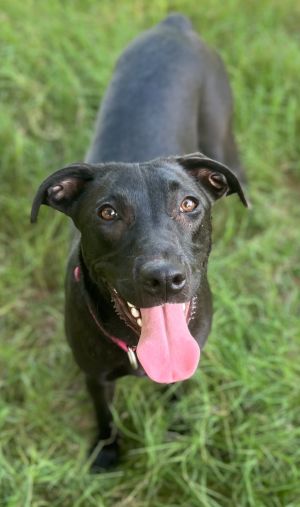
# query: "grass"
x,y
233,439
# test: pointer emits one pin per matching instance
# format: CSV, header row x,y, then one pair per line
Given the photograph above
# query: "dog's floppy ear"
x,y
62,188
215,177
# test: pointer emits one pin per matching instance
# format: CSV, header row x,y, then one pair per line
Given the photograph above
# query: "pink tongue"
x,y
166,349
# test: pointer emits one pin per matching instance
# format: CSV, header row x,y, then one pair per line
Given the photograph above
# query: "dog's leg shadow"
x,y
171,393
171,396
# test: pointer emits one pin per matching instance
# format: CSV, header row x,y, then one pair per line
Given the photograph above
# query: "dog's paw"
x,y
106,457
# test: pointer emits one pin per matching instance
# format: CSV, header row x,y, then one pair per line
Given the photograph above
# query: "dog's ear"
x,y
215,177
62,189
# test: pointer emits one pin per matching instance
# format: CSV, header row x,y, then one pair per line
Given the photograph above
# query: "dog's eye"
x,y
107,212
188,204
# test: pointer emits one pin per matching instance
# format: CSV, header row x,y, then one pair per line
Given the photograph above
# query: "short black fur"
x,y
169,96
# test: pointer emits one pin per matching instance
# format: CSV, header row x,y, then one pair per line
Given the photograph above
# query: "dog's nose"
x,y
162,278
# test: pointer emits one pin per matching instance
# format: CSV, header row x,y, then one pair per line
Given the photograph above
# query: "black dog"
x,y
137,296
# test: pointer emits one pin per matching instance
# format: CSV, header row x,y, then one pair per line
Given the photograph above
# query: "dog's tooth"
x,y
183,307
139,321
130,304
134,312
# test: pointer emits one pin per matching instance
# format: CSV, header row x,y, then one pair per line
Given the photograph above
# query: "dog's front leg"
x,y
108,453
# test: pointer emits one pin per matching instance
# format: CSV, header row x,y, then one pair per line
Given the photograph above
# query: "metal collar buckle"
x,y
132,357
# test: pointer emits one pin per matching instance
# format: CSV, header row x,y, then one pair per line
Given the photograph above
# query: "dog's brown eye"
x,y
188,204
107,213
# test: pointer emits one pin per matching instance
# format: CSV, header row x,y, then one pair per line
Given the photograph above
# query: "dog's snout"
x,y
162,278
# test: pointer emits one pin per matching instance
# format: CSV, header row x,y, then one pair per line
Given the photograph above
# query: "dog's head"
x,y
145,228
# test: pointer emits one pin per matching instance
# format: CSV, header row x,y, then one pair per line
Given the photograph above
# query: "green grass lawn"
x,y
233,439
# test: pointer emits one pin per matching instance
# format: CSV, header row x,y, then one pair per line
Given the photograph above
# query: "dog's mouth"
x,y
166,349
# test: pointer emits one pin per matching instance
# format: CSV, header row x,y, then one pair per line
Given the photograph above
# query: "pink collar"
x,y
123,345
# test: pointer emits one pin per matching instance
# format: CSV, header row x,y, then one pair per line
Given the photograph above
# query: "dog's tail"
x,y
177,20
